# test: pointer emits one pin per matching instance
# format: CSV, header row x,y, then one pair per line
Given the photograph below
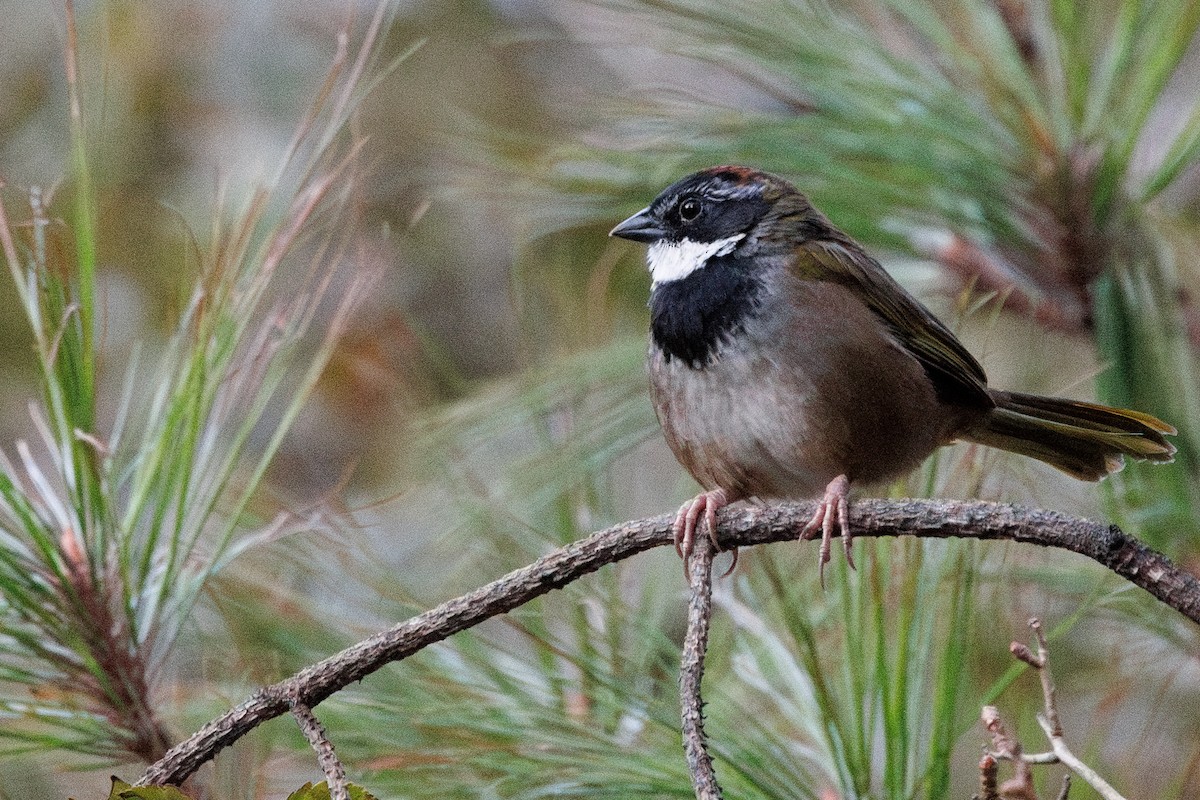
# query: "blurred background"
x,y
1027,168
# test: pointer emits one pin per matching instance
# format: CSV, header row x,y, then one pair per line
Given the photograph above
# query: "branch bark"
x,y
739,527
691,672
331,765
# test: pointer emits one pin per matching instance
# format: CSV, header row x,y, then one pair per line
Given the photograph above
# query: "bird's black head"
x,y
706,214
704,207
703,233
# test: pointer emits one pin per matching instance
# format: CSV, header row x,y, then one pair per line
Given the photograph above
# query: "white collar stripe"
x,y
671,261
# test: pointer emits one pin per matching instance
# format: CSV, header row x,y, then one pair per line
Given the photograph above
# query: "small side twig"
x,y
1089,775
1006,746
989,770
691,672
1041,662
314,731
1050,721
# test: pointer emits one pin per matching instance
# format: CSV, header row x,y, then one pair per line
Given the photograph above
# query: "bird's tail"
x,y
1086,440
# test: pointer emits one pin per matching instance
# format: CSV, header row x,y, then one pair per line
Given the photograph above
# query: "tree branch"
x,y
743,527
331,765
691,672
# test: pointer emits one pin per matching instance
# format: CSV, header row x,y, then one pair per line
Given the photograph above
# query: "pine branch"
x,y
739,527
691,672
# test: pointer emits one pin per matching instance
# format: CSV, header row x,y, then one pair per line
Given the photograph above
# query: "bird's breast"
x,y
731,421
808,387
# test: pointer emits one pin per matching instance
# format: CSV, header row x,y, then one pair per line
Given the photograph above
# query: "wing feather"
x,y
957,377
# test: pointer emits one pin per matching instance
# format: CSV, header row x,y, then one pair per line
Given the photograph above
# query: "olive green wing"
x,y
957,376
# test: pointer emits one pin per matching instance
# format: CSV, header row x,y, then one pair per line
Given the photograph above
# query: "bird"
x,y
785,363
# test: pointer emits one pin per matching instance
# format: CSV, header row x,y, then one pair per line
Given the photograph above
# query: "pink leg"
x,y
833,510
707,503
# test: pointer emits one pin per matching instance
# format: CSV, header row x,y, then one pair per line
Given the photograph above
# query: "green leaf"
x,y
306,792
321,792
118,786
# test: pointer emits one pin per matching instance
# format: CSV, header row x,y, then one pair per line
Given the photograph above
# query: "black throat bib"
x,y
691,317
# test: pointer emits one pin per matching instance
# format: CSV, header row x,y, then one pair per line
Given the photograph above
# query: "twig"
x,y
1041,662
988,770
691,672
1089,775
1105,544
331,765
1008,747
1049,720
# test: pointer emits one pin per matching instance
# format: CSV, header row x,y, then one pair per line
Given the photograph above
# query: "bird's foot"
x,y
834,509
707,503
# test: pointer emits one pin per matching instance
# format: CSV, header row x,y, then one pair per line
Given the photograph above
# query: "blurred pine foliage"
x,y
1029,153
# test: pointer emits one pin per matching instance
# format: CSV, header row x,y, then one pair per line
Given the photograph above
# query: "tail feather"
x,y
1086,440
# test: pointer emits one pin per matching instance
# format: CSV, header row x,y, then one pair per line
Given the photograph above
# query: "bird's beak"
x,y
641,227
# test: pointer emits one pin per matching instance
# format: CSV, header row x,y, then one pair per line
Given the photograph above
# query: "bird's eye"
x,y
690,209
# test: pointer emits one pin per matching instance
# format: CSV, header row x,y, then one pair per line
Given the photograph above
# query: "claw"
x,y
732,564
833,510
684,529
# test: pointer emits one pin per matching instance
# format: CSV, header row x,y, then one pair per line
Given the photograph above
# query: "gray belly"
x,y
798,399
